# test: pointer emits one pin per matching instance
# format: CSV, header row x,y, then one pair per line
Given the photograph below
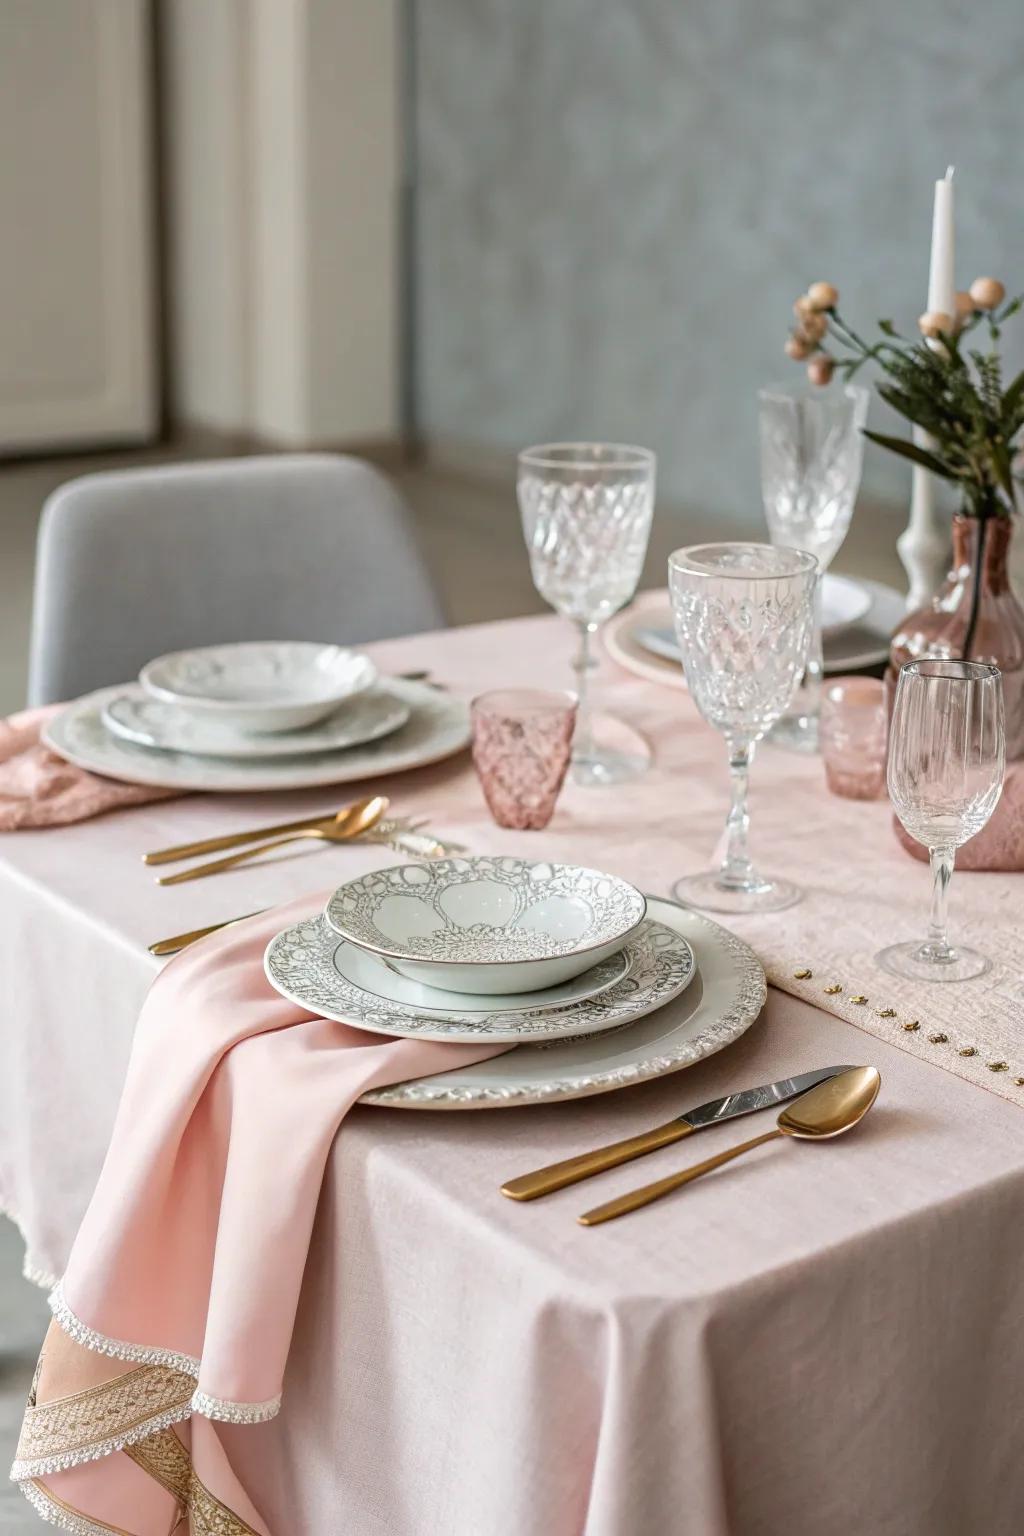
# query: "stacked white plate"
x,y
508,951
858,619
264,715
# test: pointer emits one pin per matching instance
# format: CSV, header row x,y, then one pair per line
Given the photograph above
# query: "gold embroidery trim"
x,y
165,1458
44,1495
69,1425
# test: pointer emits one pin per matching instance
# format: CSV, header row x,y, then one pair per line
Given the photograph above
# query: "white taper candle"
x,y
924,544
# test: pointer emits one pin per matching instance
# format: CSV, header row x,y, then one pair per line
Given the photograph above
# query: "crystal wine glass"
x,y
743,615
947,756
586,510
812,448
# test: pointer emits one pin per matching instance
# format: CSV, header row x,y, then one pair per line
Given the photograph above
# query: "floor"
x,y
471,538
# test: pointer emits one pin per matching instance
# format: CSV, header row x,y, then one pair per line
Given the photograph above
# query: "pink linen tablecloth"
x,y
820,1338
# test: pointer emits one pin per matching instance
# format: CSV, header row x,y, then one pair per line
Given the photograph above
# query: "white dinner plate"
x,y
843,602
642,638
134,716
299,964
725,998
379,981
437,727
259,685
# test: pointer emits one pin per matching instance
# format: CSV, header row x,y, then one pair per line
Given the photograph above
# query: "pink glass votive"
x,y
853,732
522,743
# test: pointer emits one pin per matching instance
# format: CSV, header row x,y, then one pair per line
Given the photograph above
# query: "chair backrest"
x,y
296,547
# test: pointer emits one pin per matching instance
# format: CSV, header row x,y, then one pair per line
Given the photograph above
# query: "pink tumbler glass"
x,y
853,732
522,743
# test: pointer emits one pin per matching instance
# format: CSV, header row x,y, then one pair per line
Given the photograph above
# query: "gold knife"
x,y
182,940
574,1169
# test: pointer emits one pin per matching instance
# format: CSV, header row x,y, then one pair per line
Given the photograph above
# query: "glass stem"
x,y
941,860
736,868
583,664
814,670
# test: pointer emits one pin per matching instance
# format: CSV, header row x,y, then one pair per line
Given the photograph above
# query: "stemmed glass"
x,y
947,756
743,615
812,448
586,510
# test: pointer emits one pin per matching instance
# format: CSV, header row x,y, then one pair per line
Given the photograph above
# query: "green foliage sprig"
x,y
938,381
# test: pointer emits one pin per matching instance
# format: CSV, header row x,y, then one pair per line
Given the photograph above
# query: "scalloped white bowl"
x,y
487,925
259,685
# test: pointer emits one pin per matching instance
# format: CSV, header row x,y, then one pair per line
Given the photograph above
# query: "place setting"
x,y
259,716
596,985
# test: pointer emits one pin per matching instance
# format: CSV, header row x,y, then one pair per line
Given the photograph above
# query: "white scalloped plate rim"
x,y
705,1019
437,728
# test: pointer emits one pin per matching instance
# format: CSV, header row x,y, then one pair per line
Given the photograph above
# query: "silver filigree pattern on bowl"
x,y
381,910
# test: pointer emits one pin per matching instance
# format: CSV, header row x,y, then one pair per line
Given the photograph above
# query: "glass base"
x,y
929,962
617,754
795,733
711,893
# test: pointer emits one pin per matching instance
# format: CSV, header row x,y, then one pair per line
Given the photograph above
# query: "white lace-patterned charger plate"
x,y
300,964
725,998
438,726
368,716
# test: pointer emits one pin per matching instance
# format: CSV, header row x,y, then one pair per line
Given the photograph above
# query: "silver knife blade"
x,y
753,1099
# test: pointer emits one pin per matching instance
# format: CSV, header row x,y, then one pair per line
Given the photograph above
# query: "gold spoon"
x,y
347,825
829,1109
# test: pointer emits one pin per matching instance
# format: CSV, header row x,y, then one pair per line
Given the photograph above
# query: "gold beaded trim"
x,y
910,1026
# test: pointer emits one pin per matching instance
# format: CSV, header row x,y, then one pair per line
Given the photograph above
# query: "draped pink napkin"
x,y
177,1306
39,789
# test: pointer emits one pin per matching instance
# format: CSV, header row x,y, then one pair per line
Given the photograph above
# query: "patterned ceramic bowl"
x,y
487,925
272,685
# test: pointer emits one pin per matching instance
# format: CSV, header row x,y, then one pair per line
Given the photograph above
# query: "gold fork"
x,y
347,825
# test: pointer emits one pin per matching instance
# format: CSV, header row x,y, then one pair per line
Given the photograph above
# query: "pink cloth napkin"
x,y
1000,843
39,789
177,1306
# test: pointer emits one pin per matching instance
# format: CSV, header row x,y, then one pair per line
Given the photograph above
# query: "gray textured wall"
x,y
619,200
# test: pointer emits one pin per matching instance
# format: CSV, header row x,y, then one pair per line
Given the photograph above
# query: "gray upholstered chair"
x,y
295,547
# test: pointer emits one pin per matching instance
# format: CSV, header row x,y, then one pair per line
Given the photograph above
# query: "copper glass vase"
x,y
974,621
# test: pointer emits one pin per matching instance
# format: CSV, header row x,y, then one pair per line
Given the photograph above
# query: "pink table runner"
x,y
466,1365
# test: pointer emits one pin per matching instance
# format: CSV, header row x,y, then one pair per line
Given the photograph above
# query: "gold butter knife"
x,y
574,1169
178,941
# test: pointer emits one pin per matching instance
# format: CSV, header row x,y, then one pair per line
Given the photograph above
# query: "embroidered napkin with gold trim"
x,y
177,1306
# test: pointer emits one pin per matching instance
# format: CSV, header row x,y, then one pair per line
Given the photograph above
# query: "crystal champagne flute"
x,y
812,449
947,756
586,510
743,615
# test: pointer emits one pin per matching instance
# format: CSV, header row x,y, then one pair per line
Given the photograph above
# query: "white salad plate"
x,y
299,963
437,727
642,639
724,999
261,685
382,984
134,716
490,924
